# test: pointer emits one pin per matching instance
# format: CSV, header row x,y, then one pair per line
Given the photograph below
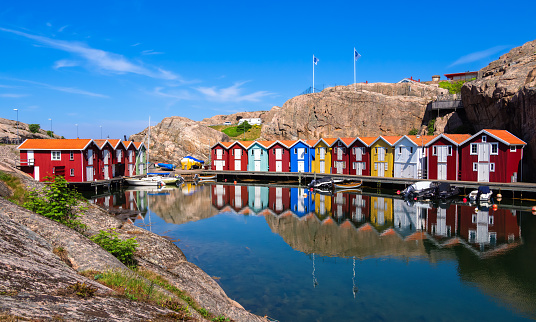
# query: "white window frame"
x,y
55,155
475,166
449,150
513,148
471,147
434,150
496,145
71,156
492,167
484,138
71,172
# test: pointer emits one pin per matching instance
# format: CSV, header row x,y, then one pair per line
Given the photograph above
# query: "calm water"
x,y
298,256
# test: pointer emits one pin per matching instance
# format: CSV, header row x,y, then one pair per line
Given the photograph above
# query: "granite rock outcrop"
x,y
11,129
504,97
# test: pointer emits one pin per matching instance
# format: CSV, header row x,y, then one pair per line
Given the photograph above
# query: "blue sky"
x,y
116,63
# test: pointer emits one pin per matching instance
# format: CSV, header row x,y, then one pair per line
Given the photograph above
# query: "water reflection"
x,y
370,225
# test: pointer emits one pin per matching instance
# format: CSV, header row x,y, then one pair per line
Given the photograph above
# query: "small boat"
x,y
166,166
445,190
145,181
416,189
205,178
347,185
325,183
482,194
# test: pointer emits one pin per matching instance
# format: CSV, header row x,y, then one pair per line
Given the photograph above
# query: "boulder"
x,y
504,97
349,111
176,137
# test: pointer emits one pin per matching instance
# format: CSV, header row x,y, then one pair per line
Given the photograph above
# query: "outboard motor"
x,y
409,191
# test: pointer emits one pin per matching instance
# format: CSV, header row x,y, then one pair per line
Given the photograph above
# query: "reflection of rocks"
x,y
179,208
309,235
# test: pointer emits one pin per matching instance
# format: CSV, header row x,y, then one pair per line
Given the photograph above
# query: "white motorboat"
x,y
145,181
483,194
416,188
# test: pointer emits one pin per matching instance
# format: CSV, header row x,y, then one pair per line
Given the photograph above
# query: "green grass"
x,y
231,130
19,192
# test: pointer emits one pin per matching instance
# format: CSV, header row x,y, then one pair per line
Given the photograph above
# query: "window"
x,y
411,150
232,152
495,148
475,166
490,220
295,151
56,155
513,148
261,152
492,167
474,149
71,156
72,172
400,150
449,150
434,150
484,138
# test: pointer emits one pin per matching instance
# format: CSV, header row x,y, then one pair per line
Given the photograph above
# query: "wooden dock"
x,y
514,189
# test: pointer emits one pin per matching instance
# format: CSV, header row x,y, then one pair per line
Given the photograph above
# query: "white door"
x,y
238,165
279,166
381,169
339,165
257,154
257,165
442,153
36,173
359,168
483,152
257,203
106,174
237,154
339,154
106,156
278,199
90,157
322,166
483,172
408,171
301,166
381,154
131,169
278,154
89,173
219,195
30,157
219,165
140,170
441,171
358,154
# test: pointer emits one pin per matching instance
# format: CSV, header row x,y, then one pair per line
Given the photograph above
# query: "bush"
x,y
50,133
19,193
244,127
57,202
454,87
431,127
122,249
413,131
34,128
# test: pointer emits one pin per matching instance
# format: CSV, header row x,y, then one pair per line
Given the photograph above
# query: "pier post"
x,y
299,178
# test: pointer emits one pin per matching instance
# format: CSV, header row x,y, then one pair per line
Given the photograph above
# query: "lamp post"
x,y
100,131
17,110
76,131
50,119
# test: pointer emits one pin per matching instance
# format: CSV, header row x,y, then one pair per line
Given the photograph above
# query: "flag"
x,y
356,55
315,60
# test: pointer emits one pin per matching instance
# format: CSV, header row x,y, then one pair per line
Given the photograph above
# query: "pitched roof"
x,y
368,140
100,143
54,144
347,141
329,141
138,145
391,139
506,136
421,140
288,143
311,142
458,138
114,143
127,143
266,144
245,144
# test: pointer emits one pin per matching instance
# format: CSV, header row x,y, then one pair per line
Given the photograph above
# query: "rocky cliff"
x,y
504,97
345,111
10,128
233,118
176,137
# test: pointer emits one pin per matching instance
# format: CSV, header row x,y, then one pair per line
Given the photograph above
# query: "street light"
x,y
50,126
76,131
17,110
101,132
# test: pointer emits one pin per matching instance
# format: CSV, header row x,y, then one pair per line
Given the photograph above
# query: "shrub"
x,y
244,127
19,193
431,127
413,131
122,249
34,128
50,133
57,202
454,87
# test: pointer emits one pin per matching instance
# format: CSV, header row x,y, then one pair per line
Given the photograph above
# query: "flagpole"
x,y
354,69
313,73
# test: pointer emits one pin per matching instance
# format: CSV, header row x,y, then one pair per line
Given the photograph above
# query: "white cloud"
x,y
476,56
136,44
100,59
175,94
65,63
231,94
49,24
63,28
10,95
60,88
151,52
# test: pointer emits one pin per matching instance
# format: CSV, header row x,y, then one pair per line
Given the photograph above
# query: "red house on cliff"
x,y
75,159
491,156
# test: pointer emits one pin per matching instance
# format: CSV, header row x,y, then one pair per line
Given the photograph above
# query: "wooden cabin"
x,y
340,155
238,159
382,156
220,156
74,159
130,158
118,158
410,156
322,160
300,156
492,156
258,156
104,159
141,158
279,156
359,156
444,156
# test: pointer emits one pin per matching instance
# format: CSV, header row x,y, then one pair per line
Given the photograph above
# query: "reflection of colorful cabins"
x,y
258,156
220,195
442,222
279,199
381,157
238,157
300,156
322,206
279,156
301,202
359,207
487,227
238,197
409,218
444,156
381,212
322,157
258,198
341,206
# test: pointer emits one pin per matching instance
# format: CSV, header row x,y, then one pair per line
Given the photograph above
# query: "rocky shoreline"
x,y
33,277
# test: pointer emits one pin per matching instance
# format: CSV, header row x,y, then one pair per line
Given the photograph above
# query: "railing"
x,y
8,140
25,162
